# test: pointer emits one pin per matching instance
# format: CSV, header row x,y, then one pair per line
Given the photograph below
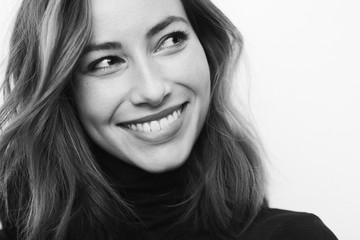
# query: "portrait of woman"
x,y
118,123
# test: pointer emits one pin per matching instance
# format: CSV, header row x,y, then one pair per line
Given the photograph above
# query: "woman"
x,y
117,124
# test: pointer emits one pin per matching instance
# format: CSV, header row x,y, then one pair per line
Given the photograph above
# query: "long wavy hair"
x,y
51,187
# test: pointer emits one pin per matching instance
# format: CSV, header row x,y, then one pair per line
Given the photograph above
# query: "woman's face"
x,y
143,84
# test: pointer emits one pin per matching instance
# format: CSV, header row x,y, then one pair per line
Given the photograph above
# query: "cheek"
x,y
94,101
198,72
192,69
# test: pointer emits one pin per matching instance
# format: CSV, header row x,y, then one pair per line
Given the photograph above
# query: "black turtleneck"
x,y
156,198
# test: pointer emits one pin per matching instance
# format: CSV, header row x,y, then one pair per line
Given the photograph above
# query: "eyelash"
x,y
181,36
115,59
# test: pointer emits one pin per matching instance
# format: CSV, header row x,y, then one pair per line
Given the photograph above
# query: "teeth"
x,y
170,119
155,125
175,114
146,127
139,127
164,123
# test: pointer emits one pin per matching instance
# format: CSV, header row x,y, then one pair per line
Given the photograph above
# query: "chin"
x,y
162,164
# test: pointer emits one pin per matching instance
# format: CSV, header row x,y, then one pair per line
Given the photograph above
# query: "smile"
x,y
156,125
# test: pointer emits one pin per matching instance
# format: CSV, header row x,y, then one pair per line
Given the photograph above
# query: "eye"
x,y
172,40
106,63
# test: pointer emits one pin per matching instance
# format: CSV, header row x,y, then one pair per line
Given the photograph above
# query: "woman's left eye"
x,y
172,40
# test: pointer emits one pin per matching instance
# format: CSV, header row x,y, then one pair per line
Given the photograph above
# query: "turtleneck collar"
x,y
155,197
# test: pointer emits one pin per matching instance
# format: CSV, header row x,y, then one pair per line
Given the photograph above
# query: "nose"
x,y
149,84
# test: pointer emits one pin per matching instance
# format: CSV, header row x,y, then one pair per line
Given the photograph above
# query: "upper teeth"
x,y
156,125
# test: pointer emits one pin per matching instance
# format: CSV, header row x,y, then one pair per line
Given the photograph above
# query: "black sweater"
x,y
155,195
276,224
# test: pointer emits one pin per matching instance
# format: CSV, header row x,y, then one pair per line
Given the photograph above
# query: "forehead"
x,y
113,17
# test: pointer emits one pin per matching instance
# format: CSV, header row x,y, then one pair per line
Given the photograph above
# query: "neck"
x,y
156,197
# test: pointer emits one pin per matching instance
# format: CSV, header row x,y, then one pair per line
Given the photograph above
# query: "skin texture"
x,y
140,73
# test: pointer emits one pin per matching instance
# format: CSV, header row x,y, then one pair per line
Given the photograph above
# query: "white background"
x,y
303,58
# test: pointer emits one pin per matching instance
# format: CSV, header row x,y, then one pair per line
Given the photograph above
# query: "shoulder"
x,y
277,224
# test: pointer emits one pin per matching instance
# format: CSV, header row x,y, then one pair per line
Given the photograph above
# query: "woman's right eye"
x,y
108,64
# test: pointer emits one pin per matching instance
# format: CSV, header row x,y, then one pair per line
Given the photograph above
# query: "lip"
x,y
153,117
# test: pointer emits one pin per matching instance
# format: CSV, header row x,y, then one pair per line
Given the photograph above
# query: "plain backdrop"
x,y
303,62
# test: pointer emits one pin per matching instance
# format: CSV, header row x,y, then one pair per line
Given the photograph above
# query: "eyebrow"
x,y
102,47
153,31
163,24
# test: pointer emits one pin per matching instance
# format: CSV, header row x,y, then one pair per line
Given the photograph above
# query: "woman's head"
x,y
138,73
142,87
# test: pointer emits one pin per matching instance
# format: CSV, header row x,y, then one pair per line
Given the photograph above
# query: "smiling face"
x,y
143,84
